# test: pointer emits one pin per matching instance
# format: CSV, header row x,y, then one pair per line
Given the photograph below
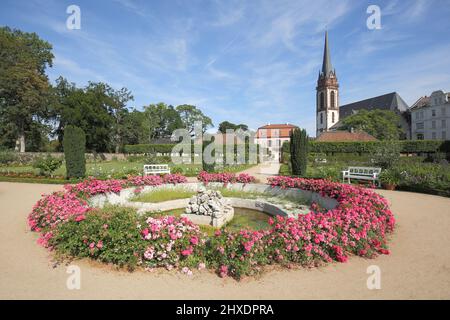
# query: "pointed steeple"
x,y
327,68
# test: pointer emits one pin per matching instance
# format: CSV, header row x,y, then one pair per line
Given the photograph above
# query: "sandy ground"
x,y
263,171
418,268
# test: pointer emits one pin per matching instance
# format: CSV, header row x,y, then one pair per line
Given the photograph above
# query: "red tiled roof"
x,y
343,136
279,130
278,126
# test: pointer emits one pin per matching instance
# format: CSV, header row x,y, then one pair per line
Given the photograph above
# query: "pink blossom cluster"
x,y
174,178
358,225
225,177
56,208
91,187
59,207
172,241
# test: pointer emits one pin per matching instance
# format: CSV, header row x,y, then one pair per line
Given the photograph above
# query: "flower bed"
x,y
225,177
358,225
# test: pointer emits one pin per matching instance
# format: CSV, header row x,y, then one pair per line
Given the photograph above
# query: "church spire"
x,y
327,68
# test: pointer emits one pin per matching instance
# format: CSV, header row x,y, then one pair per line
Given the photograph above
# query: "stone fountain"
x,y
209,207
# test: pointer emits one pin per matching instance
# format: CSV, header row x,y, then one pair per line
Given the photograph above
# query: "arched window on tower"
x,y
332,116
321,118
322,101
333,100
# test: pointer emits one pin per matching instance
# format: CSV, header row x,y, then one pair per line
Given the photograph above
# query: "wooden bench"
x,y
153,169
361,173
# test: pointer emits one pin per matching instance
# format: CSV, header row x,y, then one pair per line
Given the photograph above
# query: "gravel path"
x,y
418,267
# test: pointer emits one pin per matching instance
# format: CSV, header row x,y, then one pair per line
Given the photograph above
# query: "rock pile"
x,y
211,205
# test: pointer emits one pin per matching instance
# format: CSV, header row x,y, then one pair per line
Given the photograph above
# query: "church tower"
x,y
327,94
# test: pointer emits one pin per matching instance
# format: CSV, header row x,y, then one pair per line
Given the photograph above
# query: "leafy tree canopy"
x,y
224,125
24,86
382,124
190,114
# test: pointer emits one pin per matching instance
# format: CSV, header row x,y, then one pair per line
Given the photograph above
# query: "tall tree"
x,y
119,111
299,144
24,86
190,114
382,124
224,125
97,109
160,120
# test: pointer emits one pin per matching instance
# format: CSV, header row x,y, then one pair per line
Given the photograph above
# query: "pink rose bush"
x,y
59,207
225,177
359,225
172,242
56,208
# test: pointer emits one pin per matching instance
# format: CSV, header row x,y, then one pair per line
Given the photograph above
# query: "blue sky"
x,y
249,62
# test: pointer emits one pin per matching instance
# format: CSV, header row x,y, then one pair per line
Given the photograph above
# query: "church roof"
x,y
390,101
327,67
344,136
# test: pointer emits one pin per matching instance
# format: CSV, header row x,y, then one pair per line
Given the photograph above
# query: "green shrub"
x,y
7,157
406,146
47,165
299,151
109,235
425,177
390,176
74,144
387,154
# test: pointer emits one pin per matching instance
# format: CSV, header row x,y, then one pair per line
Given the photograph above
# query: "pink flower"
x,y
201,266
80,218
194,240
223,271
100,244
188,251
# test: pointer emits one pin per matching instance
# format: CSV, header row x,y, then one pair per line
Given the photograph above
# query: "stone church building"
x,y
328,112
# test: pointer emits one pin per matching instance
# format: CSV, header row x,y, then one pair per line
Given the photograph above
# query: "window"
x,y
421,114
420,136
332,101
332,117
433,113
443,111
433,124
433,135
419,125
321,118
322,100
444,134
417,115
270,143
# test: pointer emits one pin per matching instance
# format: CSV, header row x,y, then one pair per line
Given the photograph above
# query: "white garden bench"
x,y
153,169
361,173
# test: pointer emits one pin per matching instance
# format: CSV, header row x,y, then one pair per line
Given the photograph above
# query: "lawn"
x,y
161,195
116,169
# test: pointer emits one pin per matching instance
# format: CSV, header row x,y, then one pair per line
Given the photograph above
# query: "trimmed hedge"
x,y
406,146
158,148
74,144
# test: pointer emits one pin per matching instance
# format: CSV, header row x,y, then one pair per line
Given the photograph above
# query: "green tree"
x,y
74,149
382,124
224,125
160,120
24,86
97,109
299,148
190,114
119,111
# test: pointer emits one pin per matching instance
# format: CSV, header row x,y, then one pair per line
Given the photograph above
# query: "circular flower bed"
x,y
358,225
